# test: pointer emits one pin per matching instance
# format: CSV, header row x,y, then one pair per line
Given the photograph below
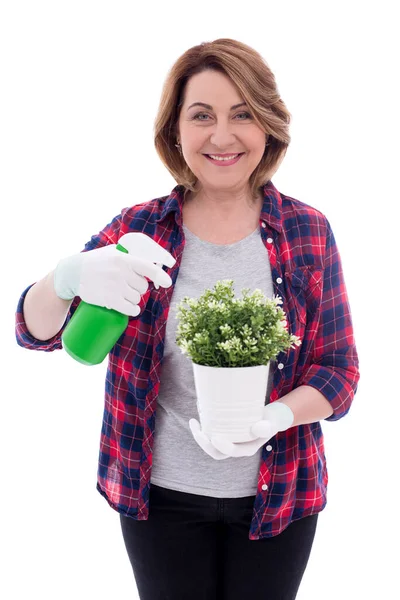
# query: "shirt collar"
x,y
271,210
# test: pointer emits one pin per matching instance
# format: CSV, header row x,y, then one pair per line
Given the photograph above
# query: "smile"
x,y
222,162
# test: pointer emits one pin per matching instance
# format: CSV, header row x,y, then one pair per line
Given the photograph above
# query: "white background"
x,y
81,83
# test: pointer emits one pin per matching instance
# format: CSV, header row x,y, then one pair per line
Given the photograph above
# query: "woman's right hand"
x,y
107,277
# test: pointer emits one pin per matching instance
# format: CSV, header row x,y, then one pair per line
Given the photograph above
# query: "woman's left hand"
x,y
276,417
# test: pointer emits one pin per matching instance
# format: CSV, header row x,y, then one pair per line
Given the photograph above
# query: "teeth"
x,y
223,158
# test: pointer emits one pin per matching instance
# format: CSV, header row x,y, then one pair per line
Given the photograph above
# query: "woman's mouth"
x,y
223,162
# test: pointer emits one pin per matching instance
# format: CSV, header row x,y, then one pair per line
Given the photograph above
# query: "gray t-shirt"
x,y
178,461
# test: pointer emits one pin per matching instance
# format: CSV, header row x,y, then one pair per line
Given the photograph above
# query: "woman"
x,y
198,520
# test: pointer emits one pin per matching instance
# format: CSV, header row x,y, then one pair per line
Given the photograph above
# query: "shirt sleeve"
x,y
335,366
108,235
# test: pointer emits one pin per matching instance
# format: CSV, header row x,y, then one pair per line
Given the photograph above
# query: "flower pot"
x,y
230,399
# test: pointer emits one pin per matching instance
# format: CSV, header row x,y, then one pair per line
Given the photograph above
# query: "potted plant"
x,y
231,342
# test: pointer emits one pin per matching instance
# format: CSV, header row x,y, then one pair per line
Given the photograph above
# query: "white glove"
x,y
110,278
204,442
277,416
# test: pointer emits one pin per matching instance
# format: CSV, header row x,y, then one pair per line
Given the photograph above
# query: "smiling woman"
x,y
212,76
185,511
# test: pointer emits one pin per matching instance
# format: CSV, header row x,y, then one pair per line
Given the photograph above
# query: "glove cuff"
x,y
280,414
66,277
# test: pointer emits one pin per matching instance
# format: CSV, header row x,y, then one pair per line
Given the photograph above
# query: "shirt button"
x,y
264,487
280,366
270,240
269,448
279,280
263,225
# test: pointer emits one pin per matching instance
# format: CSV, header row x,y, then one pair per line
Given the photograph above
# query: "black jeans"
x,y
196,547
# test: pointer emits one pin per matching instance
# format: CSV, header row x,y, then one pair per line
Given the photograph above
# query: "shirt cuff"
x,y
337,385
26,340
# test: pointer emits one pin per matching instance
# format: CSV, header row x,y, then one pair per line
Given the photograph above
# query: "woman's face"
x,y
218,129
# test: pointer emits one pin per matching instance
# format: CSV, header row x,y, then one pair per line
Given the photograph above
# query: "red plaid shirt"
x,y
307,275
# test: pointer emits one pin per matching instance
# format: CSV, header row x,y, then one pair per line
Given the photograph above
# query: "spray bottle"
x,y
93,330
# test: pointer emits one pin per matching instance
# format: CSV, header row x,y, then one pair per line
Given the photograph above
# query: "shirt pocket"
x,y
304,290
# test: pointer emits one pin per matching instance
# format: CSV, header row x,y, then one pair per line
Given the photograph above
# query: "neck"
x,y
227,208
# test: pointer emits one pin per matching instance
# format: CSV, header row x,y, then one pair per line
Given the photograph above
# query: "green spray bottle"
x,y
93,330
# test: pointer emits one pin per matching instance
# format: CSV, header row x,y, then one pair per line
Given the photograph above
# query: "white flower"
x,y
295,340
225,329
185,346
277,299
282,324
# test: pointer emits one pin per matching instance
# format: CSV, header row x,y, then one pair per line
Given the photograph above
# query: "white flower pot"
x,y
230,399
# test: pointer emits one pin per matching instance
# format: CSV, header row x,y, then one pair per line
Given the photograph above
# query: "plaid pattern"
x,y
307,275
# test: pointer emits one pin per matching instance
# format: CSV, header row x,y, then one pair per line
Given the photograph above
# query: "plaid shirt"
x,y
307,275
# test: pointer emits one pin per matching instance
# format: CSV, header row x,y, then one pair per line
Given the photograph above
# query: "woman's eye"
x,y
247,115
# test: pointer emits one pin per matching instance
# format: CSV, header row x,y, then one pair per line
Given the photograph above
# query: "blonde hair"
x,y
255,81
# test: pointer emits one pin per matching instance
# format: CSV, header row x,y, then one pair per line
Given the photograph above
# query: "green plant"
x,y
219,330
